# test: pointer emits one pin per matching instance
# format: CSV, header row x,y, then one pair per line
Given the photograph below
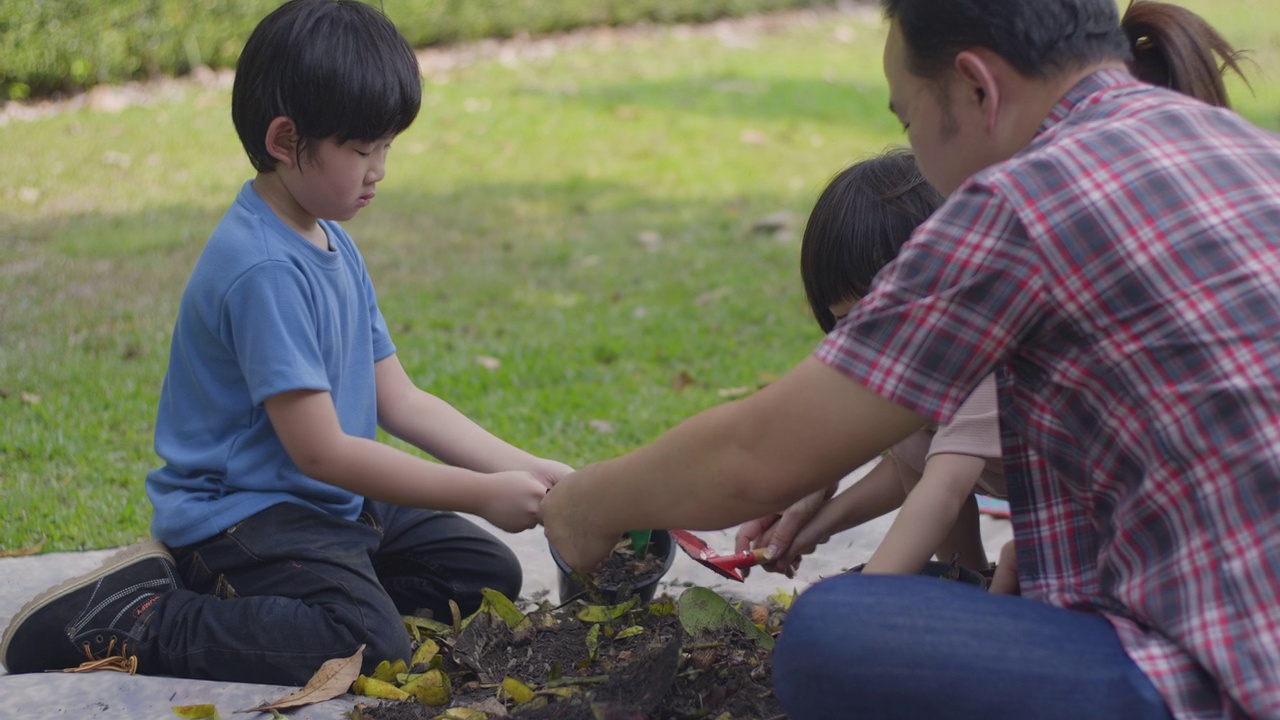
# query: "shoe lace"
x,y
114,660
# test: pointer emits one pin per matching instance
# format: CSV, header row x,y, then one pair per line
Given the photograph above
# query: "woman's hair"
x,y
1175,48
860,221
338,68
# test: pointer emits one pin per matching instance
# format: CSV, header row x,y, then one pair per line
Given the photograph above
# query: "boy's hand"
x,y
513,500
549,471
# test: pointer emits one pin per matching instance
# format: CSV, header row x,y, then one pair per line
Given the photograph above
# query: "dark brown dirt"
x,y
624,568
662,673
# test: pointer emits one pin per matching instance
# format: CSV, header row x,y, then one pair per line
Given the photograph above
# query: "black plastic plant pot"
x,y
644,587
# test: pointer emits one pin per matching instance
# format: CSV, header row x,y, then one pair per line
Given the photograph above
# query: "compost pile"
x,y
696,656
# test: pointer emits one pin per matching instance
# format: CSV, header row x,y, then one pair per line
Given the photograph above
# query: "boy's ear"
x,y
282,140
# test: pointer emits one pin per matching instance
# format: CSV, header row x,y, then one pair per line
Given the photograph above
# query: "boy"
x,y
296,537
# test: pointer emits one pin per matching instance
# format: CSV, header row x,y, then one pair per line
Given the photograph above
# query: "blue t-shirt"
x,y
265,312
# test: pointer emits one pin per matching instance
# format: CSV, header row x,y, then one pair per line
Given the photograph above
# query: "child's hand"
x,y
513,500
549,471
779,533
1006,577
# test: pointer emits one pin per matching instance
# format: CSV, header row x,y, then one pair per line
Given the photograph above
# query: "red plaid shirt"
x,y
1122,275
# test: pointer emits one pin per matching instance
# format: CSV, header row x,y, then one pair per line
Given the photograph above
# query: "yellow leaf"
x,y
425,652
516,690
331,680
430,688
593,641
504,608
605,613
195,712
783,598
462,714
457,617
426,625
386,670
372,687
628,632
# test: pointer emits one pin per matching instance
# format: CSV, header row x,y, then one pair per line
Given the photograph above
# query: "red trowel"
x,y
726,565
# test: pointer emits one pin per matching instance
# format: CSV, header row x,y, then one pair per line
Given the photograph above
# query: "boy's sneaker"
x,y
95,620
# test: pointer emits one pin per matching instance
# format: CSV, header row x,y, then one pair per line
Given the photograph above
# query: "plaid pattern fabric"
x,y
1122,277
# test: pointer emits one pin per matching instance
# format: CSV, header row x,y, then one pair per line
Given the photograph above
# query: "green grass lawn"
x,y
585,214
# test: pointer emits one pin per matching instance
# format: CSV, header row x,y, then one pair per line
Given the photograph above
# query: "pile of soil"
x,y
642,665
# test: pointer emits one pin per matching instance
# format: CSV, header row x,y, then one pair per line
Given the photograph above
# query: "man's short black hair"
x,y
1039,38
338,68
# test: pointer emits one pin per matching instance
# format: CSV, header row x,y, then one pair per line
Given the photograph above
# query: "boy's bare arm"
x,y
435,426
307,425
927,514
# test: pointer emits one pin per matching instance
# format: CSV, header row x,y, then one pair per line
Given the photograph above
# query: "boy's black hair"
x,y
338,68
1039,38
860,221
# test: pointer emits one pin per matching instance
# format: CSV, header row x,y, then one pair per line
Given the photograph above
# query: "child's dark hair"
x,y
1175,48
338,68
860,221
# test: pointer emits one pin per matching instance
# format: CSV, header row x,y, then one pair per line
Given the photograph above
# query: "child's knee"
x,y
385,640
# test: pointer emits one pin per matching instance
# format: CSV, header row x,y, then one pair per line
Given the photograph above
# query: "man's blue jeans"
x,y
270,599
893,646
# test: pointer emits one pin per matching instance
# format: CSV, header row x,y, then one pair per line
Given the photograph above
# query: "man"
x,y
1109,250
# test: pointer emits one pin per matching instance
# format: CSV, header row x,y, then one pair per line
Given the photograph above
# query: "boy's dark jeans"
x,y
272,598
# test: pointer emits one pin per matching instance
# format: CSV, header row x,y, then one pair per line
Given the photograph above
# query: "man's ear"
x,y
982,81
282,140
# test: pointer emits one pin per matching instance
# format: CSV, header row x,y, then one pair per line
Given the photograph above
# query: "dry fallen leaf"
x,y
331,680
22,552
681,381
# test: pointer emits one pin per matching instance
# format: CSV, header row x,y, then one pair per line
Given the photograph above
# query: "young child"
x,y
860,221
296,537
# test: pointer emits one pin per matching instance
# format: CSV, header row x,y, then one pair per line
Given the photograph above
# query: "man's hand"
x,y
581,545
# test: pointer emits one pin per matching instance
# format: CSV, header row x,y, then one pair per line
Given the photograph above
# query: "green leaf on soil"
x,y
593,642
195,712
702,610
